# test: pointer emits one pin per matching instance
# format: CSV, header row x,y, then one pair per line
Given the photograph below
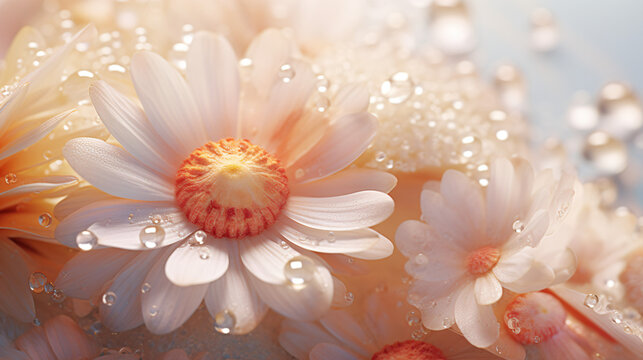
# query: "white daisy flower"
x,y
379,331
475,244
225,188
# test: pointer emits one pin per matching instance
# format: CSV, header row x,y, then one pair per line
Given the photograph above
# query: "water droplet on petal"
x,y
200,236
37,281
398,88
109,298
412,318
204,253
152,236
349,297
58,296
299,271
45,219
145,288
518,226
86,240
299,173
154,311
49,288
286,73
591,300
224,322
10,178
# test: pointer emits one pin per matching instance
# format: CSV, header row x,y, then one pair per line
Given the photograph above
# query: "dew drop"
x,y
204,253
417,334
145,288
58,296
617,318
606,153
10,178
156,219
109,298
154,311
620,109
224,322
152,236
299,271
37,281
398,88
518,226
130,218
49,288
299,173
470,146
322,103
591,300
322,84
349,297
286,73
380,156
331,237
544,31
412,318
200,236
45,219
86,240
446,323
284,245
450,27
420,259
537,339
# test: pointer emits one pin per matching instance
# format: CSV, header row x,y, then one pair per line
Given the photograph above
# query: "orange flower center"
x,y
409,350
534,317
632,278
231,188
482,260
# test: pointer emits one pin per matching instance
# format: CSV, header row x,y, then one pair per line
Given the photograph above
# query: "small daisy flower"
x,y
541,324
59,338
474,244
381,330
226,187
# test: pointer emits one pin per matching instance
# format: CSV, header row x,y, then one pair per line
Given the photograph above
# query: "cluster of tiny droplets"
x,y
432,113
627,318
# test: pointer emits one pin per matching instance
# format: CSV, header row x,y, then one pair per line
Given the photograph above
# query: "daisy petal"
x,y
562,347
123,311
539,276
344,212
115,171
127,122
331,351
344,242
32,136
499,198
213,76
299,337
166,306
343,326
462,193
512,267
168,102
37,184
412,237
265,258
345,140
232,292
269,51
34,343
196,265
85,274
382,248
477,322
16,297
346,182
305,304
487,289
118,223
349,99
68,340
445,221
439,314
78,198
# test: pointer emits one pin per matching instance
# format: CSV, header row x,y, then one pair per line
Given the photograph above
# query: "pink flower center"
x,y
534,317
409,350
231,188
482,260
632,279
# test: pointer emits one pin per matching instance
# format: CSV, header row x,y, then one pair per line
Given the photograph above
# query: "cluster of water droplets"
x,y
432,113
627,318
39,283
